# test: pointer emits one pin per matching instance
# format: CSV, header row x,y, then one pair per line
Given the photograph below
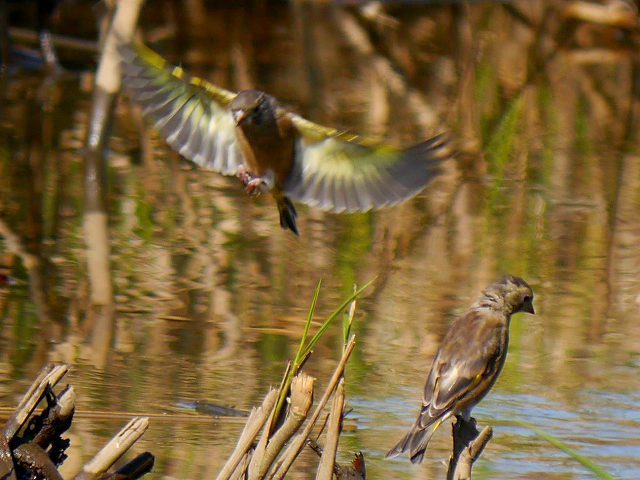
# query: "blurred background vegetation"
x,y
207,297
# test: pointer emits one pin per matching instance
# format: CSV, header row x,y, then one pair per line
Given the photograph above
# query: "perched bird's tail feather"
x,y
288,214
415,442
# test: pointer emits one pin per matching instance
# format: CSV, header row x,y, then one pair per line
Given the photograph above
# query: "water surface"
x,y
210,296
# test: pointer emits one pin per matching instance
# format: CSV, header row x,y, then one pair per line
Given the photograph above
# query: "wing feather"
x,y
189,112
342,172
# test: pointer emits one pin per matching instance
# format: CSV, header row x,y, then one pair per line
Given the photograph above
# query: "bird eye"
x,y
527,298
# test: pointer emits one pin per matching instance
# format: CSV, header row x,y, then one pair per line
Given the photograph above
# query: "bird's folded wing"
x,y
465,367
342,172
189,112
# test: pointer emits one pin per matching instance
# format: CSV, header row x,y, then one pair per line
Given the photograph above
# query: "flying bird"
x,y
468,362
249,134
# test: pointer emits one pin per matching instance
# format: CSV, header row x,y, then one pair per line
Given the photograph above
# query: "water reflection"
x,y
210,296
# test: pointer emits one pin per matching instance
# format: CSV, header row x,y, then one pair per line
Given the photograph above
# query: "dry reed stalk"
x,y
301,399
328,459
113,450
255,422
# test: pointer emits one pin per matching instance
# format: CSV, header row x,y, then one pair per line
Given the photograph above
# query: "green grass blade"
x,y
323,328
305,351
588,464
299,358
312,309
347,320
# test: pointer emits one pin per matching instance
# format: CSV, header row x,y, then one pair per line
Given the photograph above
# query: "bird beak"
x,y
239,116
528,307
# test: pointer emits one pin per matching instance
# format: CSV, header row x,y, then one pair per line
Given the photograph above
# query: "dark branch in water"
x,y
32,446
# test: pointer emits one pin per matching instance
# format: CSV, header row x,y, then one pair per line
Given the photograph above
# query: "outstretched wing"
x,y
189,112
340,172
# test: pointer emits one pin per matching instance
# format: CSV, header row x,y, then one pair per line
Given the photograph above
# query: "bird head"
x,y
249,106
516,294
510,294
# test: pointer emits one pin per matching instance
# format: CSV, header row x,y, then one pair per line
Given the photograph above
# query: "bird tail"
x,y
288,214
415,442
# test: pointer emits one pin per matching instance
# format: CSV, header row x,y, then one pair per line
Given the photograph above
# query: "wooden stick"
x,y
328,459
113,450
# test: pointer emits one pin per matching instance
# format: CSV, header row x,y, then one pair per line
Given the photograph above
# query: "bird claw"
x,y
253,186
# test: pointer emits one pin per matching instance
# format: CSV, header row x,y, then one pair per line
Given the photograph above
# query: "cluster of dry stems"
x,y
31,445
270,455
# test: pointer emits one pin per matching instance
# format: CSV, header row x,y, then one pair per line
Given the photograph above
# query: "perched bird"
x,y
250,135
468,361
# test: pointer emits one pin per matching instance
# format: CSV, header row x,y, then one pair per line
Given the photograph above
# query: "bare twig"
x,y
32,458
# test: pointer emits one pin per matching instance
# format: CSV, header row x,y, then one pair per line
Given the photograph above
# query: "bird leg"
x,y
252,185
255,186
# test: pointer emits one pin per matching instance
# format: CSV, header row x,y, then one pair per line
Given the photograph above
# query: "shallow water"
x,y
211,296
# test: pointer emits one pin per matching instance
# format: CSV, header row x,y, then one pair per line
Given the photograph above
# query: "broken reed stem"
x,y
255,422
282,466
257,455
241,471
328,459
113,450
49,376
470,455
301,400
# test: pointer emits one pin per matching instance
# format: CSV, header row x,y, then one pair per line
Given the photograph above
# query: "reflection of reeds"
x,y
187,245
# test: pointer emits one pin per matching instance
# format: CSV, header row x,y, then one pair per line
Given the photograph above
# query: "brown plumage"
x,y
250,135
468,362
